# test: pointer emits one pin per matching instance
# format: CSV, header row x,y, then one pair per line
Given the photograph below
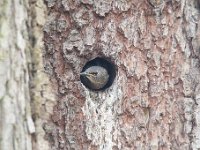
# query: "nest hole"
x,y
103,62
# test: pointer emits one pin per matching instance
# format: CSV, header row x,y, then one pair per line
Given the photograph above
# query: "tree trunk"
x,y
24,87
16,124
153,102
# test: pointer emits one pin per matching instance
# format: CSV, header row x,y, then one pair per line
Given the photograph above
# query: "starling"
x,y
97,77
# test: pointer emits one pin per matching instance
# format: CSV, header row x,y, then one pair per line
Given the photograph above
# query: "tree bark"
x,y
24,86
16,124
154,100
40,89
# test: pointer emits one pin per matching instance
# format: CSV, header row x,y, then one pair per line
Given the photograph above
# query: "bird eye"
x,y
93,73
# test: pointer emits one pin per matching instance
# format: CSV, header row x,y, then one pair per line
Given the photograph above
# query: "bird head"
x,y
89,74
91,71
96,75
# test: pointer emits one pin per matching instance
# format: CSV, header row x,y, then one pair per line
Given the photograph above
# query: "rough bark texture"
x,y
16,124
154,100
24,90
40,91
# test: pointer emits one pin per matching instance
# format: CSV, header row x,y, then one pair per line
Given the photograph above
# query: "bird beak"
x,y
83,74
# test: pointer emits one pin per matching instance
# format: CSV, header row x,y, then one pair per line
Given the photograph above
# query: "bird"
x,y
97,77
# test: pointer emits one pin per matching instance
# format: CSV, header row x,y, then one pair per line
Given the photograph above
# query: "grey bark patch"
x,y
102,7
74,40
